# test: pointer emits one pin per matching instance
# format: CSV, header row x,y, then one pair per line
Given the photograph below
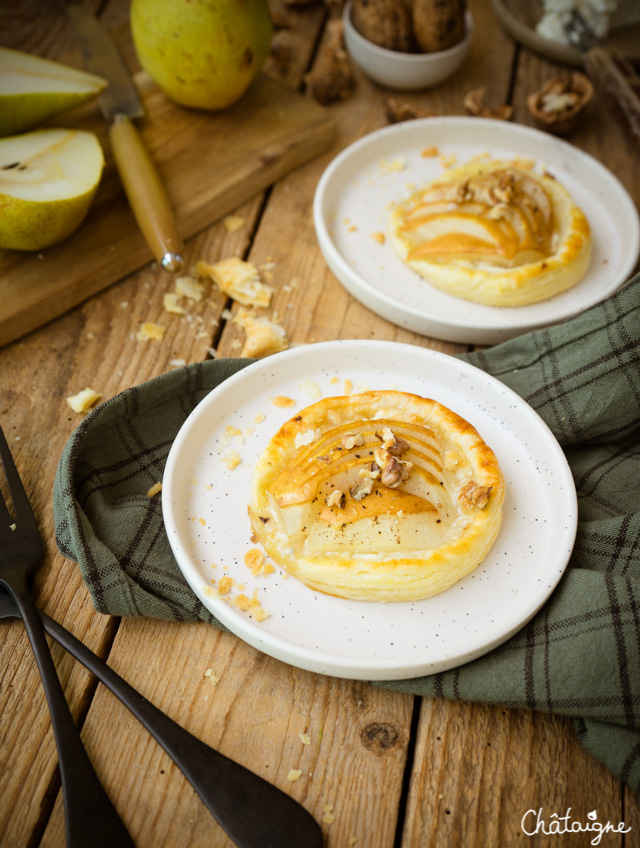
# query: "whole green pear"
x,y
202,53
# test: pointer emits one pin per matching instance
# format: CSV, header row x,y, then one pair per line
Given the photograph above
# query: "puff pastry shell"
x,y
494,233
383,496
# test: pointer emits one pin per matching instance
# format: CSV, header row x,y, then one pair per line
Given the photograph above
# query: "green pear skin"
x,y
203,54
48,179
33,89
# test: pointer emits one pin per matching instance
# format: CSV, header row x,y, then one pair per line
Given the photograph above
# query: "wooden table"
x,y
458,774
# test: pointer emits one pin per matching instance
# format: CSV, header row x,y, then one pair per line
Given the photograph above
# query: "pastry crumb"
x,y
294,775
157,487
430,152
190,288
256,562
150,332
238,279
212,677
448,161
398,164
252,606
263,337
233,223
379,237
231,459
84,400
224,585
171,303
305,738
283,401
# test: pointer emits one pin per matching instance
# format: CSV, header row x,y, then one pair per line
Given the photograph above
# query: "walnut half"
x,y
559,104
397,111
475,495
474,103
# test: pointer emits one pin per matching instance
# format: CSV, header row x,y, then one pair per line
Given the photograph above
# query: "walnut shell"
x,y
386,23
559,104
438,24
475,105
331,78
397,111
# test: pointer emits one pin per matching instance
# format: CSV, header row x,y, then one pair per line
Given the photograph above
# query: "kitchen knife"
x,y
120,104
616,77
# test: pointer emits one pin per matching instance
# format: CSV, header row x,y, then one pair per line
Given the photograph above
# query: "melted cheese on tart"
x,y
495,234
381,496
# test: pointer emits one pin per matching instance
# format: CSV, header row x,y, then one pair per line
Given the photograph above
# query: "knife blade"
x,y
611,72
120,104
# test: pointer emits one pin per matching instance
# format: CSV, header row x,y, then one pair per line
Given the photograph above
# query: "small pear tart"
x,y
382,496
494,233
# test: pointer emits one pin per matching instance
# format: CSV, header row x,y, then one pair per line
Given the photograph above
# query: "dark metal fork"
x,y
90,817
253,812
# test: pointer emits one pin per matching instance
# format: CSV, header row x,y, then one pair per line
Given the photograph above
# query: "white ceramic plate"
x,y
205,512
354,196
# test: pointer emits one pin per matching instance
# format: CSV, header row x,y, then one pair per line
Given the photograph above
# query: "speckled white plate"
x,y
355,194
205,512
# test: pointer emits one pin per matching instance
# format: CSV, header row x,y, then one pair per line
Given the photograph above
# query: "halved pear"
x,y
32,89
48,179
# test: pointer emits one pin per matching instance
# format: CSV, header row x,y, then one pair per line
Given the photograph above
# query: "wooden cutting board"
x,y
210,162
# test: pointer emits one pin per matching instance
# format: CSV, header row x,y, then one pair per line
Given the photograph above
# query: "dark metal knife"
x,y
120,104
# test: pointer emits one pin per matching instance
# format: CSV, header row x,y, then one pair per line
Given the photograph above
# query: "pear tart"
x,y
382,496
495,234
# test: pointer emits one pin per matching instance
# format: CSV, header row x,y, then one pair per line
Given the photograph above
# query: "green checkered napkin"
x,y
580,656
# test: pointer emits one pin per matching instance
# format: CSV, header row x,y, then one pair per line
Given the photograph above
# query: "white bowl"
x,y
407,71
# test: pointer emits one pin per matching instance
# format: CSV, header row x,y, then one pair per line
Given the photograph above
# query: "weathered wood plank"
x,y
479,769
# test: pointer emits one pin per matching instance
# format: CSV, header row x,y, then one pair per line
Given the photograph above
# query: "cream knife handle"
x,y
146,193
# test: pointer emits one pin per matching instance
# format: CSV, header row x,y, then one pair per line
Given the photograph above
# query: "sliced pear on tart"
x,y
383,496
493,233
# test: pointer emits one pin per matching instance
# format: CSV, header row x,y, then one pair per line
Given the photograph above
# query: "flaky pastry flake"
x,y
84,400
238,279
151,332
264,337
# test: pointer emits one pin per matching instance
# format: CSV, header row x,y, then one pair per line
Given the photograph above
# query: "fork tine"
x,y
24,513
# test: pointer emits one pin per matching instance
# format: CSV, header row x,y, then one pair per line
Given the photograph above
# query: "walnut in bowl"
x,y
395,66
